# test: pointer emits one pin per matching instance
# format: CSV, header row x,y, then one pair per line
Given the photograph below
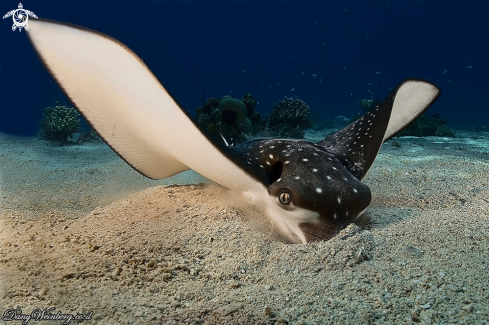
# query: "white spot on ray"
x,y
314,170
339,200
297,177
305,159
268,163
355,190
334,215
271,156
334,168
328,177
278,180
286,162
319,190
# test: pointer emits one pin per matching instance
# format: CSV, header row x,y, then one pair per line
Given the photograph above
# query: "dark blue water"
x,y
332,53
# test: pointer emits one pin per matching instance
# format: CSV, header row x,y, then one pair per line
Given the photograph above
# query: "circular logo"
x,y
20,18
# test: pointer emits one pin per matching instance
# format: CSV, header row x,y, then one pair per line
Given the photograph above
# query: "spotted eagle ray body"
x,y
308,190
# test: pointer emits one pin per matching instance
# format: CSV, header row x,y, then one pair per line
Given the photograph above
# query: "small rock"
x,y
139,313
267,287
234,284
93,248
304,322
349,231
425,306
413,251
180,267
228,309
269,312
468,308
360,255
117,271
453,288
68,275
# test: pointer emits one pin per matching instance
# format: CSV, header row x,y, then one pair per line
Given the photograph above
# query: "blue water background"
x,y
332,53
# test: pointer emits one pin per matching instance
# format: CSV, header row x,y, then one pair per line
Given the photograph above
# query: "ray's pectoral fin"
x,y
357,145
113,90
129,108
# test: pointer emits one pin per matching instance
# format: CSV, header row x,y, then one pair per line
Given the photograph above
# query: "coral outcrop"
x,y
233,110
59,123
445,131
367,104
429,126
289,118
236,119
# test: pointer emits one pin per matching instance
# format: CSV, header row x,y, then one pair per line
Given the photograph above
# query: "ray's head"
x,y
311,195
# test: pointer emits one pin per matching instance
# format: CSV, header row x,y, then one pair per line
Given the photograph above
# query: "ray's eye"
x,y
284,197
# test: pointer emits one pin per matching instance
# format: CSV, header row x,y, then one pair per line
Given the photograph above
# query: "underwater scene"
x,y
244,162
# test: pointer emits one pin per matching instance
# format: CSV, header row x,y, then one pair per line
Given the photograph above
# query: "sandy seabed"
x,y
82,232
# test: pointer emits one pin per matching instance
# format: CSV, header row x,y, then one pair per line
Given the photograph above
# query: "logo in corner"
x,y
20,17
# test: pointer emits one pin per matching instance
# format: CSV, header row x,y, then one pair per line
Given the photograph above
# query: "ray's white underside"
x,y
412,99
122,99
